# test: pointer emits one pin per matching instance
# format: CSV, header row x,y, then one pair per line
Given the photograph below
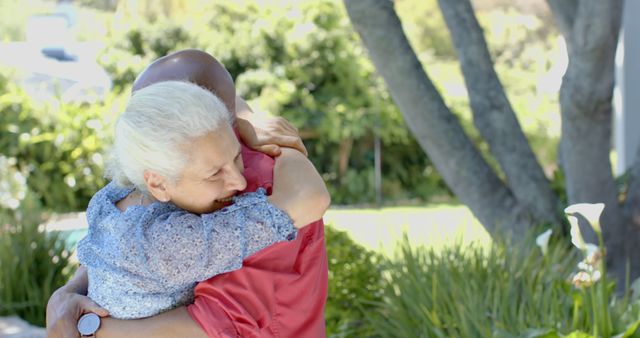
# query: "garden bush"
x,y
504,291
58,145
307,67
355,282
34,263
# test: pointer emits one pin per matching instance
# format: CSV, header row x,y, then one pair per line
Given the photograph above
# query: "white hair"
x,y
157,125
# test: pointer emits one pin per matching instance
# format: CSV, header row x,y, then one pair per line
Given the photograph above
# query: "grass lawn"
x,y
433,226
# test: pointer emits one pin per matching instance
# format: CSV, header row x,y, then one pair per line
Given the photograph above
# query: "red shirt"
x,y
279,292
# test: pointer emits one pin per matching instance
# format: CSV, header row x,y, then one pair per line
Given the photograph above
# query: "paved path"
x,y
14,327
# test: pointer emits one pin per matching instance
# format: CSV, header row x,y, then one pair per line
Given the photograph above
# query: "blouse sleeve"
x,y
186,248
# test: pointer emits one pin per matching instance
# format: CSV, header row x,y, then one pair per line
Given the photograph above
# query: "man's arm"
x,y
298,188
242,109
68,303
173,323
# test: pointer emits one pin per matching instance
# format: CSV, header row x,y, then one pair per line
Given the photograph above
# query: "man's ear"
x,y
156,185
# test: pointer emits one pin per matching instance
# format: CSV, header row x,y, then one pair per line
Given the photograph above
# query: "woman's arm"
x,y
266,134
298,189
68,303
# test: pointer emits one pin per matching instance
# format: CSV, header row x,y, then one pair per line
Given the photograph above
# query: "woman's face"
x,y
213,173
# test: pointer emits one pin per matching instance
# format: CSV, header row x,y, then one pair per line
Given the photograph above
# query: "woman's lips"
x,y
225,200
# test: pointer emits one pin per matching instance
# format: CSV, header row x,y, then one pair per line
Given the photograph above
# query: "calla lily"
x,y
590,211
582,280
591,249
576,235
543,241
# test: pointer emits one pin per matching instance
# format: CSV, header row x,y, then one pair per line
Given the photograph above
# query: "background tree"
x,y
517,195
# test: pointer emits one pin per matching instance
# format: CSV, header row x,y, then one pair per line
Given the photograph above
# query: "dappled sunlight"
x,y
434,227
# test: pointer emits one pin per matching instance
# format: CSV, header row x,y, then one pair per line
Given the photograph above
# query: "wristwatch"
x,y
88,324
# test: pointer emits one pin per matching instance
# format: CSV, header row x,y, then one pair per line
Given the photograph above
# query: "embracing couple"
x,y
200,231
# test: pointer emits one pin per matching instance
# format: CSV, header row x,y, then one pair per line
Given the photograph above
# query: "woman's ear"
x,y
156,185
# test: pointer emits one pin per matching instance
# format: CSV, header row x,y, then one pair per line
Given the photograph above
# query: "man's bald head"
x,y
194,66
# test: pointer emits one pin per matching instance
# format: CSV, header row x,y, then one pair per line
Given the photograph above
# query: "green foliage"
x,y
526,50
303,60
57,145
354,283
132,50
506,291
304,63
424,22
34,263
313,72
594,308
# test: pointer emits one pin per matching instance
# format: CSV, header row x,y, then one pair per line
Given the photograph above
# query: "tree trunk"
x,y
437,130
590,29
343,161
494,117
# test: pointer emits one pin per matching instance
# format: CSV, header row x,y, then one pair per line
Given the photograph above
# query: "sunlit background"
x,y
66,69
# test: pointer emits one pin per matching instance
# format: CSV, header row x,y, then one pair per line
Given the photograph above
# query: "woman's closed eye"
x,y
214,176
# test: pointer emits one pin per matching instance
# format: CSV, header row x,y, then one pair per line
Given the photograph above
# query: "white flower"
x,y
576,235
584,266
590,211
591,249
578,241
543,241
582,279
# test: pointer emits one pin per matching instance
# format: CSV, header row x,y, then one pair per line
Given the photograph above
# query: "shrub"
x,y
307,68
34,263
58,145
354,283
504,291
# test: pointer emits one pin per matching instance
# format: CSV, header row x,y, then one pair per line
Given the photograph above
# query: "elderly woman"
x,y
280,292
157,229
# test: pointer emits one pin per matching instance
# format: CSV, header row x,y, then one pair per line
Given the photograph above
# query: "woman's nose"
x,y
235,180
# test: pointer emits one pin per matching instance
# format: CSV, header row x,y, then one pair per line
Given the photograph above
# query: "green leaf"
x,y
631,329
578,334
529,333
540,333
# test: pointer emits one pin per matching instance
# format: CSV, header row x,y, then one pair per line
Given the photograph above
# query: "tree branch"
x,y
564,12
437,130
493,115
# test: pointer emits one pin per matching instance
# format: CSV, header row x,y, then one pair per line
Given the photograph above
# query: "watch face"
x,y
88,324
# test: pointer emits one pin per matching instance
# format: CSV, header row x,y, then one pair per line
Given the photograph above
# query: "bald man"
x,y
203,69
279,292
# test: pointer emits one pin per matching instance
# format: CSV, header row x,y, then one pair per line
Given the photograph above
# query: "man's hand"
x,y
267,135
63,311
